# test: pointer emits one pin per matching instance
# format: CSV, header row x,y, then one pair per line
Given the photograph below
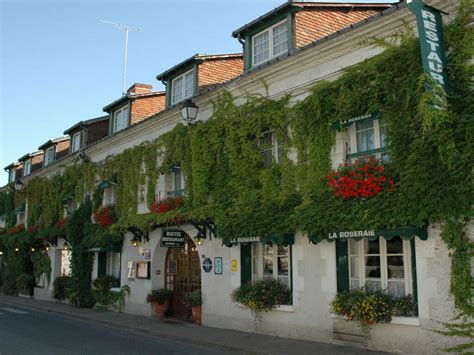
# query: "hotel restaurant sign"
x,y
173,238
433,55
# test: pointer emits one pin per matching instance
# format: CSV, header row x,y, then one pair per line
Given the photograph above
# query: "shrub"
x,y
107,299
25,282
159,296
261,296
193,298
105,283
62,287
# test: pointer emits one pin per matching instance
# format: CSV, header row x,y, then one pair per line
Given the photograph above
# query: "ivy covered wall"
x,y
431,157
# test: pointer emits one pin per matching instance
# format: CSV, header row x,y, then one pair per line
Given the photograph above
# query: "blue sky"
x,y
60,64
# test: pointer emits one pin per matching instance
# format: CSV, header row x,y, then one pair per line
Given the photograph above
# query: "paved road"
x,y
23,331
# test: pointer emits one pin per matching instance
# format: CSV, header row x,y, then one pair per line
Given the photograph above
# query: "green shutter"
x,y
342,265
245,263
102,264
414,279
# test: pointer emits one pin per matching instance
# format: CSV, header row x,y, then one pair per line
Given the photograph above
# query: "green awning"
x,y
106,183
406,233
345,123
112,248
271,239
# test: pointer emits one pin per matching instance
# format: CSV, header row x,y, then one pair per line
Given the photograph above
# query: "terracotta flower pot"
x,y
197,314
160,309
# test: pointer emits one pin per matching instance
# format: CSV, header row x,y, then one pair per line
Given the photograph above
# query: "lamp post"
x,y
199,238
189,111
135,242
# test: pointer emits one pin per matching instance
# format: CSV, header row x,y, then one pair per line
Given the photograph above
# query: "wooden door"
x,y
183,274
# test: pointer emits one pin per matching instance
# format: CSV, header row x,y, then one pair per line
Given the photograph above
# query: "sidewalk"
x,y
231,340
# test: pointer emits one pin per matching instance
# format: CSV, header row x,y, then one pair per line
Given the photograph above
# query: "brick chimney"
x,y
138,88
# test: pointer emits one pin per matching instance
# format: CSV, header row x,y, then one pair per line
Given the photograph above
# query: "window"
x,y
27,168
177,183
109,195
271,262
114,264
11,175
368,136
49,156
381,265
71,206
182,87
270,149
270,43
76,142
65,262
120,119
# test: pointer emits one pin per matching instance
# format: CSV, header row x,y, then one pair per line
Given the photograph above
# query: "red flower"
x,y
167,204
61,223
104,216
363,178
16,229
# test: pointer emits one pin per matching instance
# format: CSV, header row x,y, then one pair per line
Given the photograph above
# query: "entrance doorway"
x,y
183,274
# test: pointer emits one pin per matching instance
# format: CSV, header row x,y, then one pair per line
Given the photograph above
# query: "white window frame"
x,y
76,142
257,275
11,175
271,54
170,181
27,167
124,120
407,265
276,148
48,156
182,92
377,138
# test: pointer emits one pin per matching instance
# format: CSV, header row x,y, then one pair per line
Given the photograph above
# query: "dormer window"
x,y
120,119
270,43
49,156
76,142
11,175
27,168
182,87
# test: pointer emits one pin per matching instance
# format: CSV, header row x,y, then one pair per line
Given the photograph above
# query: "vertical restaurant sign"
x,y
430,33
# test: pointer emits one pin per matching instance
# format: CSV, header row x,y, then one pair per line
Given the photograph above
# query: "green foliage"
x,y
25,282
62,287
159,296
193,298
261,296
41,265
105,298
78,226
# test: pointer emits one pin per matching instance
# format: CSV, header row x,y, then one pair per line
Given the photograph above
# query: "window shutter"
x,y
102,264
342,265
245,263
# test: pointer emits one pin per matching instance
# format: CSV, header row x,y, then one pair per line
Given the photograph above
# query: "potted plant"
x,y
25,284
194,299
160,301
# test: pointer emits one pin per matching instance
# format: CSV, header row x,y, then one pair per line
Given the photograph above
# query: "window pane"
x,y
189,88
283,260
395,267
177,89
372,246
395,246
280,39
268,260
372,267
261,50
354,267
365,135
396,288
177,179
354,247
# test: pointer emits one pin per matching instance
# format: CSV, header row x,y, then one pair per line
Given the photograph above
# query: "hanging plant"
x,y
363,178
105,216
167,204
61,223
16,229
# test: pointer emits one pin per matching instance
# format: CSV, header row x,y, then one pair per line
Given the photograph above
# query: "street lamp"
x,y
135,242
18,185
199,238
189,111
66,245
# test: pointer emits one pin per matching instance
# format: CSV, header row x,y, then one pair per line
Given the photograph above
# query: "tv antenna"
x,y
127,29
